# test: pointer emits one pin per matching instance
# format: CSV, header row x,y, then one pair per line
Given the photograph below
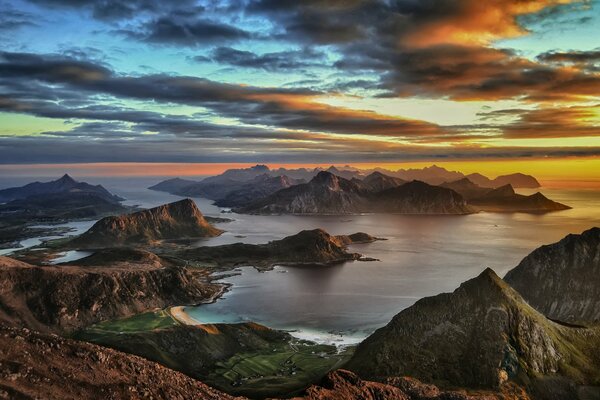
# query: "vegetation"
x,y
243,359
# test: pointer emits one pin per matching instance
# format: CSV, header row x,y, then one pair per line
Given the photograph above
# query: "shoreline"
x,y
179,314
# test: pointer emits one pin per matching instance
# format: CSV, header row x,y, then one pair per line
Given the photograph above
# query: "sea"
x,y
342,304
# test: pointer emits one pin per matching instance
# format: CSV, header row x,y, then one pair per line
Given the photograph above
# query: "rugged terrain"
x,y
562,280
307,247
41,366
174,221
106,285
482,335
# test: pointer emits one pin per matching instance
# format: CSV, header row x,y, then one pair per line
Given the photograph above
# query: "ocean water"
x,y
422,256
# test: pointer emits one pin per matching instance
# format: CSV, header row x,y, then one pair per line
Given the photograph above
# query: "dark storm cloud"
x,y
117,9
176,29
275,61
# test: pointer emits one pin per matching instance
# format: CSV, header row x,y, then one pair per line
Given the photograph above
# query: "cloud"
x,y
276,107
114,10
551,122
571,57
275,61
181,30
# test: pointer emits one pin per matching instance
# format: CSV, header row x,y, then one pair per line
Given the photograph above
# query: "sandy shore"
x,y
179,314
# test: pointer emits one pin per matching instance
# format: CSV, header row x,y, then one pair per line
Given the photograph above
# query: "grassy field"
x,y
283,370
138,323
241,359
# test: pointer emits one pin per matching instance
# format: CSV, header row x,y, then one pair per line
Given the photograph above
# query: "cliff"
x,y
103,286
562,280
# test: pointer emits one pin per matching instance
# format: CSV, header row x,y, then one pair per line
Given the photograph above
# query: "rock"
x,y
562,280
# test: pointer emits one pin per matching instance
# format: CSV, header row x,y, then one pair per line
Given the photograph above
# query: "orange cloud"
x,y
475,22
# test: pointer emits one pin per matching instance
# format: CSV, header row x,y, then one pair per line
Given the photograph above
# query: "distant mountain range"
x,y
61,199
65,184
349,190
234,187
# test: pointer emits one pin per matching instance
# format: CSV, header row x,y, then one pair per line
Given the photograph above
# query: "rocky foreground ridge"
x,y
36,365
482,335
175,221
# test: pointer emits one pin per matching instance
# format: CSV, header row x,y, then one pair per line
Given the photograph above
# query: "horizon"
x,y
567,173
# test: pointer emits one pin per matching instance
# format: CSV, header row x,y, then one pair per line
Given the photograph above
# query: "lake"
x,y
422,256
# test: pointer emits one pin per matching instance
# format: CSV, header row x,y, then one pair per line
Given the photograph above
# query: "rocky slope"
x,y
103,286
482,335
420,198
345,385
174,221
40,366
504,199
562,280
307,247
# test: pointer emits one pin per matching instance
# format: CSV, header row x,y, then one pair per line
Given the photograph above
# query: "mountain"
x,y
433,175
504,199
259,187
60,206
326,193
482,335
466,188
420,198
330,194
40,366
517,180
107,285
307,247
175,185
562,280
65,184
179,220
376,182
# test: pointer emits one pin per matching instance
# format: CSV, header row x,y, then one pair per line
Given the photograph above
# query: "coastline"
x,y
179,314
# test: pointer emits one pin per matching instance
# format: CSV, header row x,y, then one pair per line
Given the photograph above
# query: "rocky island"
x,y
309,247
175,221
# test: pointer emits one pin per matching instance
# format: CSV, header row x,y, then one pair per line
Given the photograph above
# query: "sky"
x,y
286,82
